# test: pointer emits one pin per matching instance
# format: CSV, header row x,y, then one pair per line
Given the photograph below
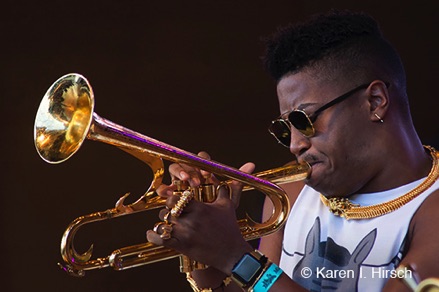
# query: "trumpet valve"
x,y
180,185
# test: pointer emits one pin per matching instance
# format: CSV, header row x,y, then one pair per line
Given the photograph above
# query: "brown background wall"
x,y
184,72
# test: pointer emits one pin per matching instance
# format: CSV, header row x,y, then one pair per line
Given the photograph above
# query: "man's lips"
x,y
310,162
314,163
313,167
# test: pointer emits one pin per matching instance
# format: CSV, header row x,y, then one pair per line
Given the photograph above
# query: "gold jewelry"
x,y
344,208
166,217
379,118
166,229
195,287
182,202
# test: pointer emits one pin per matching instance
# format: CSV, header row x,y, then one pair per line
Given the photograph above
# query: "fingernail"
x,y
194,182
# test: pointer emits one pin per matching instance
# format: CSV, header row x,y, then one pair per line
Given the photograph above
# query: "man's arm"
x,y
423,244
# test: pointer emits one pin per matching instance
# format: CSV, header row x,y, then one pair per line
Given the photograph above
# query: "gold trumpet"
x,y
65,118
407,274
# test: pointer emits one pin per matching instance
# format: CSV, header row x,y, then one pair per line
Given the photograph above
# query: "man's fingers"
x,y
178,172
165,190
185,173
249,167
236,187
206,156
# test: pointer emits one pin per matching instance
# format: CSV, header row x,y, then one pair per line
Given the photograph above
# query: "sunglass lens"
x,y
301,122
281,131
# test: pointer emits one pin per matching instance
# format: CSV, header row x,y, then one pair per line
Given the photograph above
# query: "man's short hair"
x,y
338,43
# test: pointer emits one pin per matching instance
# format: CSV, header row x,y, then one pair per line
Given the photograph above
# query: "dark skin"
x,y
388,154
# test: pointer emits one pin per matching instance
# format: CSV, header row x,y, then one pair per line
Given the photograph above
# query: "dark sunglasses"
x,y
281,127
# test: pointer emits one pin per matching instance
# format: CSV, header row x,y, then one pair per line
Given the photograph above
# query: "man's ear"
x,y
378,100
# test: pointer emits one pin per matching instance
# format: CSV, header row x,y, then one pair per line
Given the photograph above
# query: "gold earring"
x,y
379,118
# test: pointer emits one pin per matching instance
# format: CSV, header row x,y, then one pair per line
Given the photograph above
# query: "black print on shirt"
x,y
329,266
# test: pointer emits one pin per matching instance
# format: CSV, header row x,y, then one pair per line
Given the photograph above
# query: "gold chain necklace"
x,y
344,208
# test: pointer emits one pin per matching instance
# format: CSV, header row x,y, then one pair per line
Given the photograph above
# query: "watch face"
x,y
246,269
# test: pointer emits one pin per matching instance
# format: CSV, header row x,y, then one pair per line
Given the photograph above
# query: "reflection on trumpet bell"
x,y
63,119
66,118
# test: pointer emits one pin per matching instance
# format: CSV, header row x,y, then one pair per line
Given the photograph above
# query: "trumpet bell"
x,y
63,118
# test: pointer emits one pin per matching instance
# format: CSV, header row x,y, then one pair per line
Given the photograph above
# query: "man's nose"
x,y
298,143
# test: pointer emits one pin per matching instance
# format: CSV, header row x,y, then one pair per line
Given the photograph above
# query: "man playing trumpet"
x,y
370,203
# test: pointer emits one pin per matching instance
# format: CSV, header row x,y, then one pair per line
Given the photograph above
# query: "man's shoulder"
x,y
423,238
427,211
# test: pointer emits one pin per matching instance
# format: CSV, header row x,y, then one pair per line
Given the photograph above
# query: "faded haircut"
x,y
337,44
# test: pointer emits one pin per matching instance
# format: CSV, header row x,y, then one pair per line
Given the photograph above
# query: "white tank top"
x,y
324,252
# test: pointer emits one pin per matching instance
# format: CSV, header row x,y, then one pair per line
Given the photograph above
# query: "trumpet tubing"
x,y
66,117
